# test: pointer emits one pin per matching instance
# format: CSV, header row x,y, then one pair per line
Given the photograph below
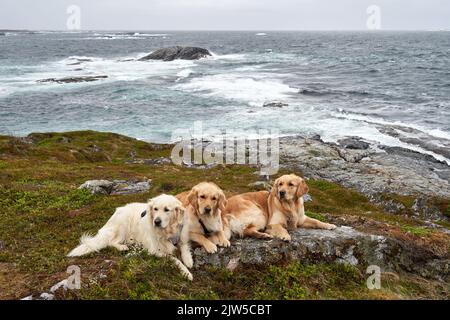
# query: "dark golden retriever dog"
x,y
266,214
205,203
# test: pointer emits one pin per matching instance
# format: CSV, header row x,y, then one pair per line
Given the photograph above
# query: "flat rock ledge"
x,y
343,245
116,187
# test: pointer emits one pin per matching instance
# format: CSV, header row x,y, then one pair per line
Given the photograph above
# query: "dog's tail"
x,y
89,243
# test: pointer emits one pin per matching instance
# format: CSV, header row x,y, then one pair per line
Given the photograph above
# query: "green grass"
x,y
418,231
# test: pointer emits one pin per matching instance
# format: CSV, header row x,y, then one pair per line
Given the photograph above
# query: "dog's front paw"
x,y
285,237
187,260
330,226
189,276
225,243
121,247
210,247
266,236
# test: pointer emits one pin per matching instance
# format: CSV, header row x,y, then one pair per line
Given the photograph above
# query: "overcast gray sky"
x,y
225,14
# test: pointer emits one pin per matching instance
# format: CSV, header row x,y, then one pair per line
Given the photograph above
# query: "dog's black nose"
x,y
282,194
157,222
207,210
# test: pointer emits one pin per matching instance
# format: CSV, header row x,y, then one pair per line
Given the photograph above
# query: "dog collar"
x,y
205,230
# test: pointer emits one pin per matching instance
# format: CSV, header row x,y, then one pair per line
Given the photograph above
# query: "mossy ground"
x,y
43,215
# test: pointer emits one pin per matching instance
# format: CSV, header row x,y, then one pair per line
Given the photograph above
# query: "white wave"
x,y
233,56
438,133
261,34
117,69
252,90
185,73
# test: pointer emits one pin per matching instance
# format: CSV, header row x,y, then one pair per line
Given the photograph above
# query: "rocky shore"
x,y
376,171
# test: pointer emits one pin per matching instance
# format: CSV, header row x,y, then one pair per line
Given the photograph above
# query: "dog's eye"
x,y
203,197
280,184
166,209
214,198
291,184
156,209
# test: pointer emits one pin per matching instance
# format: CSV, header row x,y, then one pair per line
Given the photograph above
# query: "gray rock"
x,y
47,296
98,186
74,79
353,143
275,104
116,187
130,187
343,245
375,171
307,197
177,52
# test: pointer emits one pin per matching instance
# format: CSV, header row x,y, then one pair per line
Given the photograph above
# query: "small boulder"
x,y
98,186
177,52
116,187
275,104
73,79
353,143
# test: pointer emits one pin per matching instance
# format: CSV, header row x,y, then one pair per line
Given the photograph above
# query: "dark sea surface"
x,y
391,88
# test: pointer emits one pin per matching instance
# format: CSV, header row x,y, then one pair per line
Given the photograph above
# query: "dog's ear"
x,y
302,188
222,202
274,190
180,210
149,209
192,198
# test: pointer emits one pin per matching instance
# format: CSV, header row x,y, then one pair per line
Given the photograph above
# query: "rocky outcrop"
x,y
373,170
177,52
275,104
342,245
74,79
116,187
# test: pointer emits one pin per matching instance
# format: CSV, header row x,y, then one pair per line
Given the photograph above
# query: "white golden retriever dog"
x,y
160,226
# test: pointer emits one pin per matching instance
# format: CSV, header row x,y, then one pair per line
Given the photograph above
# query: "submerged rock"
x,y
177,52
275,104
74,79
116,187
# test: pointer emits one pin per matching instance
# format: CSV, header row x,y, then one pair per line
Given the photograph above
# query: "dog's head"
x,y
208,201
289,187
166,214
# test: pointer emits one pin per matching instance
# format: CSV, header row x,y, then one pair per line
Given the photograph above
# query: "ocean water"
x,y
391,88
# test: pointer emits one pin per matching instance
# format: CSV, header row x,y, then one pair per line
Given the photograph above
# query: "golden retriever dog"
x,y
160,226
204,204
266,214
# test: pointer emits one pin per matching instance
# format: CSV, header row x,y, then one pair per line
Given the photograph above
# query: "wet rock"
x,y
74,79
353,143
116,187
177,52
275,104
343,245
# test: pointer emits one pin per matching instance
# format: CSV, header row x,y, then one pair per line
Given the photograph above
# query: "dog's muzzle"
x,y
282,194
